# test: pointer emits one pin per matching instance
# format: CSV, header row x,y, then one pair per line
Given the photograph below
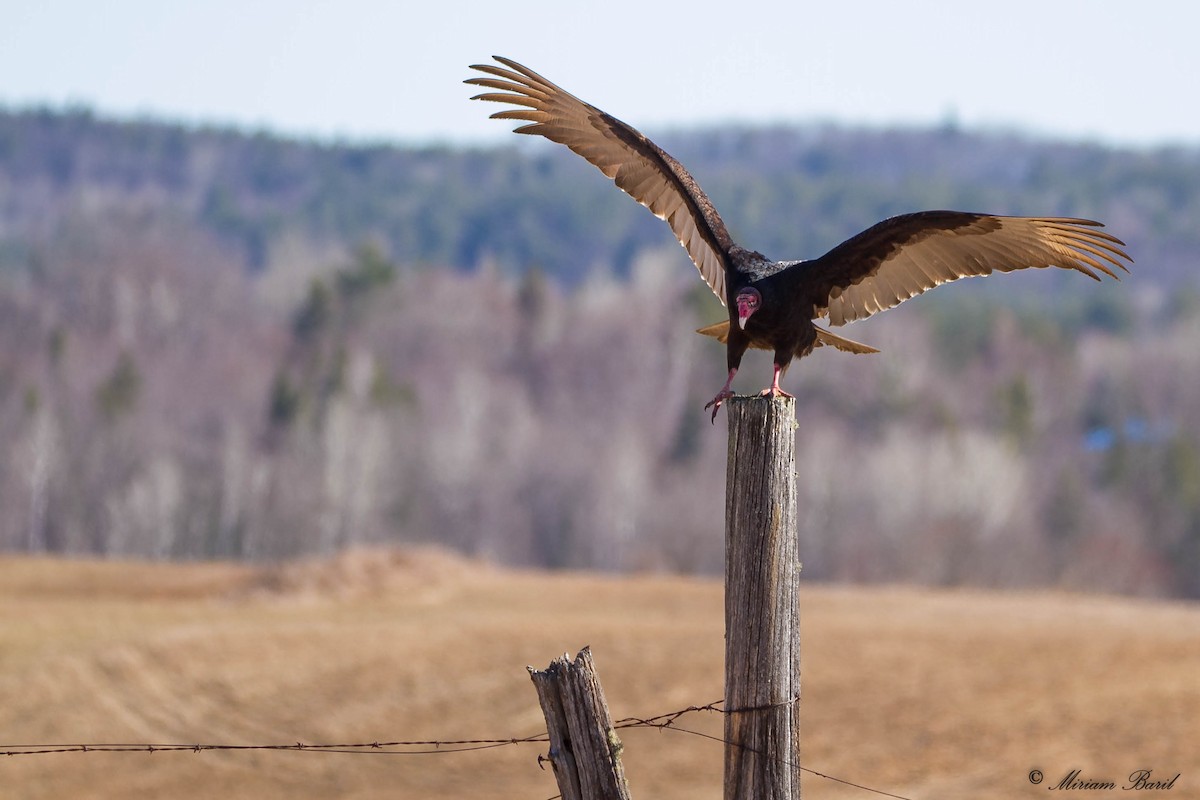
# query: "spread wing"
x,y
639,167
906,255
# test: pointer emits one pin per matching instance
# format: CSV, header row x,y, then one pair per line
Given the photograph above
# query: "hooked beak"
x,y
742,318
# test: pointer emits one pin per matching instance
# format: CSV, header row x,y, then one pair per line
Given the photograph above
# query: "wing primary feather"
x,y
515,99
530,116
507,86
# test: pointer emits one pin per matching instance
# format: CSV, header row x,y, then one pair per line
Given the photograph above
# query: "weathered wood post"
x,y
762,611
584,749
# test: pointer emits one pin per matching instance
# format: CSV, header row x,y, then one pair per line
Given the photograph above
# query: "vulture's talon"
x,y
715,403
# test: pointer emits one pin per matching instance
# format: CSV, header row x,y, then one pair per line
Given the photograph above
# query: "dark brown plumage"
x,y
772,304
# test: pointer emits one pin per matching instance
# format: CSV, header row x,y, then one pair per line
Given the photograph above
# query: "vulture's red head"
x,y
747,301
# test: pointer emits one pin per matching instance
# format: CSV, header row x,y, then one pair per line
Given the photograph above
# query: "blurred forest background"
x,y
222,344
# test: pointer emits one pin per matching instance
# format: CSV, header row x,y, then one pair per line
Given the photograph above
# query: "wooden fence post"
x,y
584,749
762,611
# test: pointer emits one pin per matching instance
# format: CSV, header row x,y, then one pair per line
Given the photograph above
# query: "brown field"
x,y
925,694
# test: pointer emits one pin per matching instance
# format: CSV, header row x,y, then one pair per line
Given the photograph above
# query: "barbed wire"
x,y
427,746
666,722
433,747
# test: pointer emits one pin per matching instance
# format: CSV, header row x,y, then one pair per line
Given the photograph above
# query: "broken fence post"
x,y
584,749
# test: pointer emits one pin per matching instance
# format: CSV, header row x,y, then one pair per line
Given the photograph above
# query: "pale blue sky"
x,y
1108,70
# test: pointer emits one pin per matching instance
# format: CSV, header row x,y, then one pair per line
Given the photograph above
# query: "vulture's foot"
x,y
722,396
715,403
775,391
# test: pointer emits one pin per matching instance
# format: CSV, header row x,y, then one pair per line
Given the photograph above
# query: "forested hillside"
x,y
790,191
216,343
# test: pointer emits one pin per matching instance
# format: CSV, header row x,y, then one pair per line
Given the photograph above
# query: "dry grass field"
x,y
926,694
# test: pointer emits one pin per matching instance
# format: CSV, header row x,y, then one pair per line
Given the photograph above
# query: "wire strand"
x,y
434,746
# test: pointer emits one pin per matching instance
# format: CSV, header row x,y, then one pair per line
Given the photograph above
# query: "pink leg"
x,y
722,396
775,391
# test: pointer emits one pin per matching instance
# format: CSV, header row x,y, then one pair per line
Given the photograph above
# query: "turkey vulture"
x,y
772,304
